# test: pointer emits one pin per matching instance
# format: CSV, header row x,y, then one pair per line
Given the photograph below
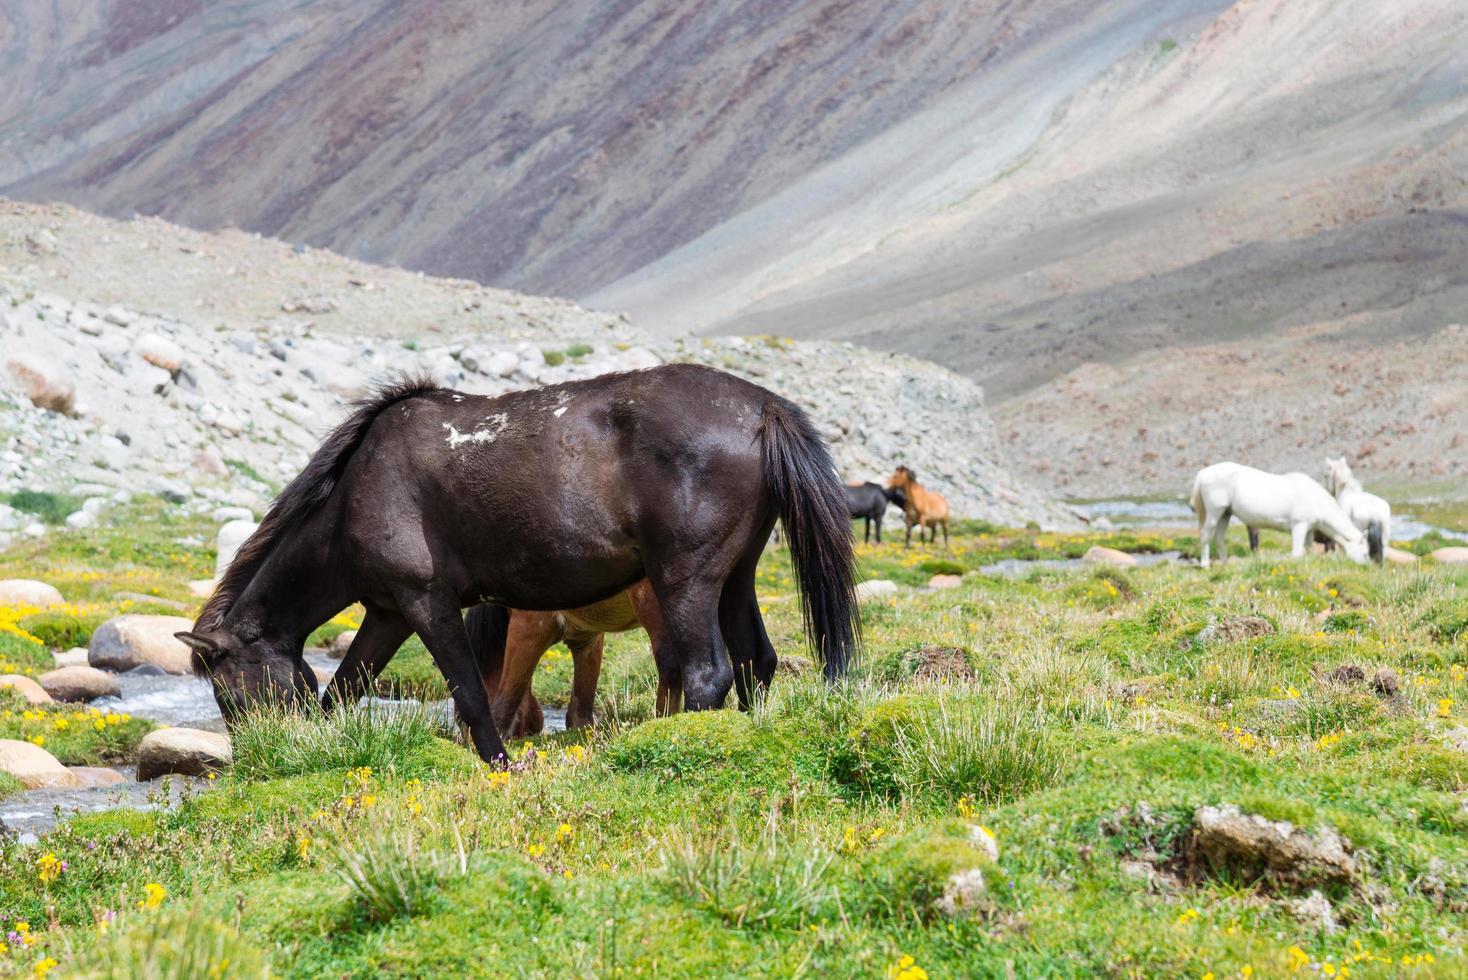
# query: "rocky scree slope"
x,y
217,406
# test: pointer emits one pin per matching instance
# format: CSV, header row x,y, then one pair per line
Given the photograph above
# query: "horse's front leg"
x,y
382,632
435,615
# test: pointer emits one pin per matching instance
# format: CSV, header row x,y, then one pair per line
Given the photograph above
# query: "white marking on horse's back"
x,y
559,412
486,431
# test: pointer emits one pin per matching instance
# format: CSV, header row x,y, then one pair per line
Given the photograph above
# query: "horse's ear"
x,y
201,645
205,652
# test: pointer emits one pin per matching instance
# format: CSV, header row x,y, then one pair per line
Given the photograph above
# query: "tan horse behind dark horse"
x,y
921,506
509,645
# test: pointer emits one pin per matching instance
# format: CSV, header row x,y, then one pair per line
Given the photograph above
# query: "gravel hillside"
x,y
141,357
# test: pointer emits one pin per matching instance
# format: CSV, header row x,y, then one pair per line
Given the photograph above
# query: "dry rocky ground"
x,y
1398,410
205,367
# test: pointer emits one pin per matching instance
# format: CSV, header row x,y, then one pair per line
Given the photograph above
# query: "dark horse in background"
x,y
427,500
867,500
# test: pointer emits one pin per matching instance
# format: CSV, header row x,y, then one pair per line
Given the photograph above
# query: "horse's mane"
x,y
304,494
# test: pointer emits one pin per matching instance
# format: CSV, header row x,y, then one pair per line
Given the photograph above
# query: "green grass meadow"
x,y
1005,786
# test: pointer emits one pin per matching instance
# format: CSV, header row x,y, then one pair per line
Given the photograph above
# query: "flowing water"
x,y
1176,513
181,702
1018,566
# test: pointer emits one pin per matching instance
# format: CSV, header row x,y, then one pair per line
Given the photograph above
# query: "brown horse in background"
x,y
921,506
509,644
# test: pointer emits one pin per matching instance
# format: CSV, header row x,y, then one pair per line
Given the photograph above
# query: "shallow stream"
x,y
178,701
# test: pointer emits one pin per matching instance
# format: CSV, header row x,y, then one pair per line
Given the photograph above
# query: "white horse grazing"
x,y
1366,510
1292,502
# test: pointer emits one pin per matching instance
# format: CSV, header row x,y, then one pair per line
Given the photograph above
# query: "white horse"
x,y
1366,510
1292,502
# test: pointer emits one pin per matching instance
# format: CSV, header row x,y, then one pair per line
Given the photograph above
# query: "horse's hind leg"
x,y
670,674
436,618
1220,535
688,585
586,655
1208,529
743,626
529,636
691,613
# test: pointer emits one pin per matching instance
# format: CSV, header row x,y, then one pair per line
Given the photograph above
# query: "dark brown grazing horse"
x,y
509,644
870,501
426,500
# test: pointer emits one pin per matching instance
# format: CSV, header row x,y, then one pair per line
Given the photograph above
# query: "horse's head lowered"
x,y
249,669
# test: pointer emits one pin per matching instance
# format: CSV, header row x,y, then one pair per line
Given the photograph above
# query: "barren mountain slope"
x,y
547,146
1014,190
1234,157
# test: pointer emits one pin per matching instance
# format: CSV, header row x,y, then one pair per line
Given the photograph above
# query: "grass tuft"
x,y
388,872
273,743
765,885
167,945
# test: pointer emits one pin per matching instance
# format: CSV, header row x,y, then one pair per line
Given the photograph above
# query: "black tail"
x,y
488,626
802,479
1374,543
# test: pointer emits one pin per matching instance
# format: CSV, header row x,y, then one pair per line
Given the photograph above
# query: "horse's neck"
x,y
296,588
1337,523
1349,485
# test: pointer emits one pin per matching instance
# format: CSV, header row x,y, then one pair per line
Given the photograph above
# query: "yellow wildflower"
x,y
1298,959
153,895
49,867
906,969
1444,707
